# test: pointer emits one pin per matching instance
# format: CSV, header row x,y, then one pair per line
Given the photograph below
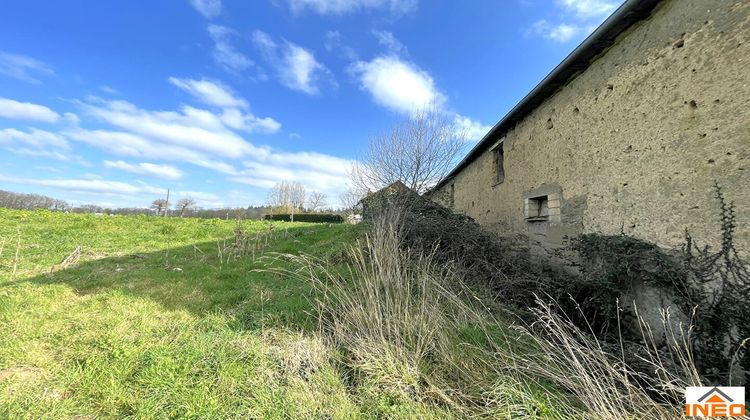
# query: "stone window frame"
x,y
535,198
498,161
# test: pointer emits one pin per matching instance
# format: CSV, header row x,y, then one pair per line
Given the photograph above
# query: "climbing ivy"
x,y
714,287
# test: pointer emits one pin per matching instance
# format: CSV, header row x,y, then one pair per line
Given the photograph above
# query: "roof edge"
x,y
629,13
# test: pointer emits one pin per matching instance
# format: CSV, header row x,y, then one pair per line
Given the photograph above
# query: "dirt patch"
x,y
20,372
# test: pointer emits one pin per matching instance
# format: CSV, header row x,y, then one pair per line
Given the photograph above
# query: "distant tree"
x,y
350,198
296,197
21,201
419,152
316,201
184,205
159,206
287,197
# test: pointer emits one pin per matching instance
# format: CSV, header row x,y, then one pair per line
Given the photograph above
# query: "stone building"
x,y
628,134
395,193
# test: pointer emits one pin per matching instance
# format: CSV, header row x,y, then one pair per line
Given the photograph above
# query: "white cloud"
x,y
334,43
49,154
340,7
16,110
389,42
296,67
204,139
238,120
216,94
586,9
81,185
71,118
40,144
23,68
131,145
562,33
210,92
208,8
401,86
576,19
225,54
190,128
301,69
316,171
153,142
127,194
33,138
160,171
109,90
472,129
397,84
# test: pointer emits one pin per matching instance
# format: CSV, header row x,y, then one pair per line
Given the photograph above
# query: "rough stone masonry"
x,y
633,143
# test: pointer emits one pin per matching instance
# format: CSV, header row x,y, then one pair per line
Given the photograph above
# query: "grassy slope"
x,y
154,322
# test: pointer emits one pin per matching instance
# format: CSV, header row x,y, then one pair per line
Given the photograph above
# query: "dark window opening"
x,y
537,209
499,164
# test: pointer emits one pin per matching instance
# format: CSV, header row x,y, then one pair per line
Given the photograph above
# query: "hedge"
x,y
307,217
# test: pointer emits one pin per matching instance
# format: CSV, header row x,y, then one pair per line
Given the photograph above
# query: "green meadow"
x,y
145,317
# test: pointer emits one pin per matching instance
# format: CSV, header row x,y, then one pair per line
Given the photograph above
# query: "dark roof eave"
x,y
603,37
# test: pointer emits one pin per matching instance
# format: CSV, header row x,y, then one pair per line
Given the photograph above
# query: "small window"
x,y
499,163
453,195
537,209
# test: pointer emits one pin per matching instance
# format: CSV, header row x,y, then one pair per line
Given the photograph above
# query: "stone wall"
x,y
635,142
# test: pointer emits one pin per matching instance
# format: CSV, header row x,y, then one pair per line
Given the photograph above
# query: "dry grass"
x,y
408,327
600,379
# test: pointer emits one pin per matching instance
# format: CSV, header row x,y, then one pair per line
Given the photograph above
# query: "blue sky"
x,y
113,103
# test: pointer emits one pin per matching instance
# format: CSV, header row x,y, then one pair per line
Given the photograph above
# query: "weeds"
x,y
405,325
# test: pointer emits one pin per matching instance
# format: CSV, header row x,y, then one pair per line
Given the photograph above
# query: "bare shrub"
x,y
419,152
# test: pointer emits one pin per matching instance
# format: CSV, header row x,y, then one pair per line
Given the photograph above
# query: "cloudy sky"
x,y
112,103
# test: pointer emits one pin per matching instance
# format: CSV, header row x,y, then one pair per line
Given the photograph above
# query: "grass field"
x,y
146,317
163,318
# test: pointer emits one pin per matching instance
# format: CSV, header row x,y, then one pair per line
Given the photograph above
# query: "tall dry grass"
x,y
405,325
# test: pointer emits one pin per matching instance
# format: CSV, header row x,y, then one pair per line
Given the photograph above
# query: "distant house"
x,y
374,202
627,134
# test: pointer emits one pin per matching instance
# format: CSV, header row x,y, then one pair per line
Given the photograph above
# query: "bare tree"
x,y
287,196
159,206
350,198
277,198
419,152
184,205
316,201
20,201
296,197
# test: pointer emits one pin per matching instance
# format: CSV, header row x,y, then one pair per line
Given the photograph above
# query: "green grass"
x,y
167,318
154,321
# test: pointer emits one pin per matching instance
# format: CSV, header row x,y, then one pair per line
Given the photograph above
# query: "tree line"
x,y
184,207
